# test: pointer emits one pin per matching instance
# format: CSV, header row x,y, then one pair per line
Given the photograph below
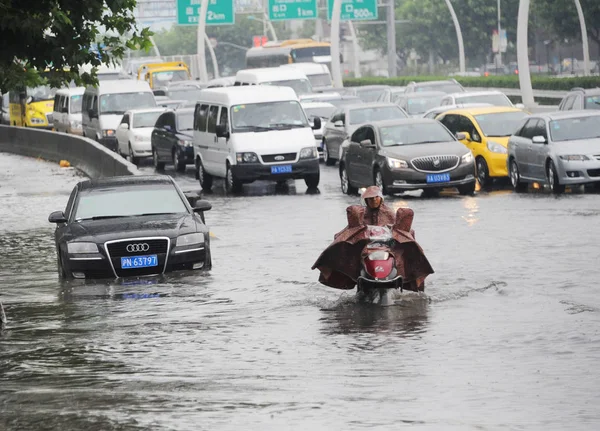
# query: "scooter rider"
x,y
376,212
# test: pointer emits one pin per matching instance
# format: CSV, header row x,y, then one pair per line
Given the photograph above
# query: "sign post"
x,y
280,10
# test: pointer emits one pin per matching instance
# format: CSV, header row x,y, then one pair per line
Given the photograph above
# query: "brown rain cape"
x,y
340,263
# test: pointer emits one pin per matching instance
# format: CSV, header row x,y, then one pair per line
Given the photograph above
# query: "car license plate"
x,y
139,261
438,178
285,169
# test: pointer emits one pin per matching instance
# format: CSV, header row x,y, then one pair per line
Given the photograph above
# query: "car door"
x,y
539,151
474,143
170,135
202,138
521,144
223,144
337,135
56,113
353,157
212,153
122,134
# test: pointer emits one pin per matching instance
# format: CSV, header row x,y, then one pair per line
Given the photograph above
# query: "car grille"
x,y
435,163
276,158
50,118
118,249
594,172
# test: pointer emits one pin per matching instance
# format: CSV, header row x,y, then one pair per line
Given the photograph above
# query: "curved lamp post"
x,y
461,46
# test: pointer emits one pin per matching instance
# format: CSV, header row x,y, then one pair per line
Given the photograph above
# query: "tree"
x,y
561,17
62,35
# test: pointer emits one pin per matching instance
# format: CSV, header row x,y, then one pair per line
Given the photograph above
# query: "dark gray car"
x,y
408,154
559,149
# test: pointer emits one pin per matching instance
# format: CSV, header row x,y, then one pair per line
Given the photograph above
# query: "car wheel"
x,y
159,166
515,177
347,188
553,181
208,259
206,180
326,156
232,184
132,158
179,166
467,189
431,193
62,274
378,180
483,173
312,181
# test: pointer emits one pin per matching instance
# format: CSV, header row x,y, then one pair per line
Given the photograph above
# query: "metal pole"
x,y
203,73
391,37
155,47
584,39
499,38
461,46
271,28
523,55
336,69
355,60
213,56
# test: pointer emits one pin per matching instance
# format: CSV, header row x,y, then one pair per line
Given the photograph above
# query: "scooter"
x,y
379,277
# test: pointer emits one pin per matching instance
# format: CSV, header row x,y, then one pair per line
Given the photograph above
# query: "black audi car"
x,y
130,226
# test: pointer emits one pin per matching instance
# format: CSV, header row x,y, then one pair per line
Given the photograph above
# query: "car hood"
x,y
135,227
144,132
408,152
280,141
582,146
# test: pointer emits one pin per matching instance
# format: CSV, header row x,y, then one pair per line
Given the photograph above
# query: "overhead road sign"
x,y
220,12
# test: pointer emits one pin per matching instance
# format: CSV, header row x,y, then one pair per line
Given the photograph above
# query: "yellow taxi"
x,y
485,131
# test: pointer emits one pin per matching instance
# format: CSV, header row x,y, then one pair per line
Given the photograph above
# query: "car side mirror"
x,y
463,136
339,123
202,205
124,126
366,143
57,217
222,131
538,140
316,123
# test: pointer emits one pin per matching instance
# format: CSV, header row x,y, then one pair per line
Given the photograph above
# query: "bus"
x,y
274,54
32,107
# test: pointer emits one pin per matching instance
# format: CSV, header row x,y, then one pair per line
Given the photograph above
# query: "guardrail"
x,y
88,156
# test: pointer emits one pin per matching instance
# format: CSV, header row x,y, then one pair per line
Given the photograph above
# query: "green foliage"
x,y
537,82
58,35
561,18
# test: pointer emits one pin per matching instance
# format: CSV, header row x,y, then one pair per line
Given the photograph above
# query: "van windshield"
x,y
300,86
118,103
76,104
260,117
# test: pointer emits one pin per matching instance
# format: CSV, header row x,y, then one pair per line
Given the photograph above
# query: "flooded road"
x,y
507,338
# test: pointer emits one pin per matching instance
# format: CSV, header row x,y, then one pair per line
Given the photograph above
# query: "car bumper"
x,y
410,179
579,172
497,164
186,154
109,142
255,171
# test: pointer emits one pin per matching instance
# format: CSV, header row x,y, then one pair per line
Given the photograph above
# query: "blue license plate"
x,y
285,169
139,261
438,178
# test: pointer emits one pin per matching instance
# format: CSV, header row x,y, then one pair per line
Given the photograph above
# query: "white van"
x,y
318,74
294,78
104,106
245,134
67,110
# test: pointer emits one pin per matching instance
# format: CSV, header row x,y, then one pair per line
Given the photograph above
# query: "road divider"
x,y
88,156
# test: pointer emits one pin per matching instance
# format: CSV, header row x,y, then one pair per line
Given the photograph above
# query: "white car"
x,y
324,111
493,97
134,132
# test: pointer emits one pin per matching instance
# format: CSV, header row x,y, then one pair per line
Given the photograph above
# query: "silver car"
x,y
559,149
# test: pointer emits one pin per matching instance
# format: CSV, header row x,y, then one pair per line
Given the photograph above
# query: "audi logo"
x,y
279,158
135,248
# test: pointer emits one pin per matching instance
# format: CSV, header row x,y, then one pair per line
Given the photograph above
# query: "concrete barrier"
x,y
88,156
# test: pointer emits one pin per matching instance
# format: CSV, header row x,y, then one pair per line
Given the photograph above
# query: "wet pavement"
x,y
507,337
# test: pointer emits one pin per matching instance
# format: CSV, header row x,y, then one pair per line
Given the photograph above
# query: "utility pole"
x,y
336,68
523,55
391,37
499,38
200,39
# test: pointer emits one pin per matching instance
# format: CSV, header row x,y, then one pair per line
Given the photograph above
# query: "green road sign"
x,y
280,10
219,12
355,10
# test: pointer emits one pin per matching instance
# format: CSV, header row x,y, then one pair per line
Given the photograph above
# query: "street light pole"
x,y
500,38
523,55
336,69
355,59
200,41
391,36
461,46
584,39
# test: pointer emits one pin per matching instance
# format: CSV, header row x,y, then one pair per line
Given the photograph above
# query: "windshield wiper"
x,y
101,217
290,125
255,128
150,214
424,142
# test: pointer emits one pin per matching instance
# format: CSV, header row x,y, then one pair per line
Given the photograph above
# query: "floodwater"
x,y
507,336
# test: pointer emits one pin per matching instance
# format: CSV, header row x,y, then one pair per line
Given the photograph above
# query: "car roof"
x,y
439,82
562,115
586,90
247,94
484,110
371,105
73,91
124,181
401,121
269,74
307,105
476,93
424,93
371,87
121,86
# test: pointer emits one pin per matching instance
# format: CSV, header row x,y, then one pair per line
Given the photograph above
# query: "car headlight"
x,y
82,247
247,158
190,239
107,133
140,138
495,147
467,158
396,163
309,153
574,157
185,143
37,120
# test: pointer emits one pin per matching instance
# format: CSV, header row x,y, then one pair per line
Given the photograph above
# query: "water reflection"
x,y
472,207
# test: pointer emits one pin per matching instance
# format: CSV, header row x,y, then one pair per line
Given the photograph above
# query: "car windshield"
x,y
129,201
592,102
300,86
500,124
118,103
370,95
185,121
447,88
43,92
411,134
169,76
571,129
492,99
145,119
76,104
382,113
420,105
320,80
191,94
323,112
267,116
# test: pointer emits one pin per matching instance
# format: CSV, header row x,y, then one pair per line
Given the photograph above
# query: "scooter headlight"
x,y
379,255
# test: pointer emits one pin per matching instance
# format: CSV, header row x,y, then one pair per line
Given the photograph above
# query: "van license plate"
x,y
438,178
285,169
